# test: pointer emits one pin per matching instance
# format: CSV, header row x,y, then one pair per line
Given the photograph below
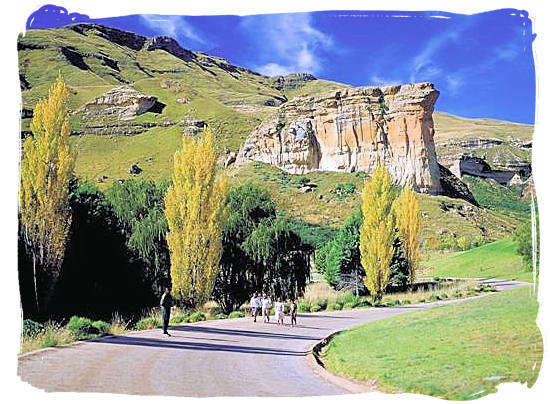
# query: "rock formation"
x,y
122,103
354,129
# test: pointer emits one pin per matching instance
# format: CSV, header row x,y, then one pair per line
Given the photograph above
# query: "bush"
x,y
406,301
180,318
197,316
348,306
433,298
31,328
457,294
304,307
315,308
220,316
443,296
236,314
82,327
102,326
334,307
148,323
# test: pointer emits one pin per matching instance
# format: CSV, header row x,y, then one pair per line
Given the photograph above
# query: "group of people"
x,y
264,304
256,304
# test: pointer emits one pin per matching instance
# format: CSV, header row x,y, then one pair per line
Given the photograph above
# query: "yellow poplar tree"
x,y
46,168
407,215
377,232
195,211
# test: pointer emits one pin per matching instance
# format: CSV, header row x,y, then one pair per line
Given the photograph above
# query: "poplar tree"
x,y
407,215
44,211
377,231
195,213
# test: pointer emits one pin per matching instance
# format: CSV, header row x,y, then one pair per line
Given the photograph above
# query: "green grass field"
x,y
458,351
493,260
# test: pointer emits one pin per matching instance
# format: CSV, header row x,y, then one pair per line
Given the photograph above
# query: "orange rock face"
x,y
354,129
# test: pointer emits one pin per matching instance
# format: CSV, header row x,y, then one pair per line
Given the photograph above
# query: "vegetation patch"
x,y
457,351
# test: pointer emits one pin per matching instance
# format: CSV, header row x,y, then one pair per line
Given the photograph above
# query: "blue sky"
x,y
482,64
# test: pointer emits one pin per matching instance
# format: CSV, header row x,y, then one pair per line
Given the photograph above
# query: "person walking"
x,y
293,312
280,311
266,306
166,304
254,305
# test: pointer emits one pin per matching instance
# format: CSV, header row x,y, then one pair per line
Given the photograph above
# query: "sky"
x,y
482,64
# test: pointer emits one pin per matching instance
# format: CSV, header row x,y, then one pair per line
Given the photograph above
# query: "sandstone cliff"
x,y
354,129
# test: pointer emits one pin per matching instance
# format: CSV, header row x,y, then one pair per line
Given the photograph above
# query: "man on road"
x,y
254,305
166,305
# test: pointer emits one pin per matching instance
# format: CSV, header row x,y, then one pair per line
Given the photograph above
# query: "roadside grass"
x,y
495,260
319,296
457,351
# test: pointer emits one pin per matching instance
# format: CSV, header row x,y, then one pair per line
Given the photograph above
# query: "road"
x,y
234,357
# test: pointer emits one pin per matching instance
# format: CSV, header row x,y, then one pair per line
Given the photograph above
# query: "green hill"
x,y
195,87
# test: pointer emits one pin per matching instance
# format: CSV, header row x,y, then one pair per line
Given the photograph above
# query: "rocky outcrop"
x,y
478,167
291,81
122,103
354,129
452,186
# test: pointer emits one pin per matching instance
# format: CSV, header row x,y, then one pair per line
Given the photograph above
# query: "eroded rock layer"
x,y
354,129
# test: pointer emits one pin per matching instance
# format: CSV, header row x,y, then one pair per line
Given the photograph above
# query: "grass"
x,y
494,196
494,260
457,352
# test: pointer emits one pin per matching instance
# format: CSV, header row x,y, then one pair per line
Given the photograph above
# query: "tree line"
x,y
84,251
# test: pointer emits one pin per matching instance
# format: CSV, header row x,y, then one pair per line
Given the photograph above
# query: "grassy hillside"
x,y
441,216
494,260
233,101
457,352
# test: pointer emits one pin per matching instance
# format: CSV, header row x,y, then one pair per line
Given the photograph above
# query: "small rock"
x,y
231,158
320,196
102,178
183,100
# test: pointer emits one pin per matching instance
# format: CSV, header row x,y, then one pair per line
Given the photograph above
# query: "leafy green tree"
x,y
261,252
407,218
399,266
283,256
139,207
524,241
44,212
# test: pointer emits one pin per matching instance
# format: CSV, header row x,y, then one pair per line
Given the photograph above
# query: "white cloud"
x,y
173,26
383,81
288,43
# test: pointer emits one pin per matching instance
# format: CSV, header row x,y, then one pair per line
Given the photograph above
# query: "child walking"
x,y
293,311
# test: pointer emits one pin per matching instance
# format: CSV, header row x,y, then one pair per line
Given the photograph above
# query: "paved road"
x,y
215,358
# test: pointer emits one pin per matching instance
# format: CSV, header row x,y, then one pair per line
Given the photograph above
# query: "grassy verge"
x,y
458,351
494,260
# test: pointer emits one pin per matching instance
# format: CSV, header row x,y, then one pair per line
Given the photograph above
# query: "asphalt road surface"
x,y
234,357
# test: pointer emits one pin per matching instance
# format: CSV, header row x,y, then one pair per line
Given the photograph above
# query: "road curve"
x,y
235,357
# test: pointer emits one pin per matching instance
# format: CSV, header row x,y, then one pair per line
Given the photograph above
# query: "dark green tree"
x,y
139,207
524,243
399,266
261,252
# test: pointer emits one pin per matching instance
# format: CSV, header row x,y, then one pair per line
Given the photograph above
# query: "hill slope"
x,y
191,88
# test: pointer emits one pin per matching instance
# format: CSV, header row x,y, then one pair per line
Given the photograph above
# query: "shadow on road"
x,y
158,343
243,333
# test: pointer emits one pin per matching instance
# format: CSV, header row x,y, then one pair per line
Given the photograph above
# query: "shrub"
x,y
220,316
443,296
180,318
406,301
148,323
102,326
304,307
31,328
422,301
197,316
457,294
334,306
236,314
118,325
433,298
315,308
82,327
348,306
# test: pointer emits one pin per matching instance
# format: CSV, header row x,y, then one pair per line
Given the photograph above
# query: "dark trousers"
x,y
165,318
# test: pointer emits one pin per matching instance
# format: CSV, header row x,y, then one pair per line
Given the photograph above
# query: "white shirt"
x,y
266,303
254,302
280,307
